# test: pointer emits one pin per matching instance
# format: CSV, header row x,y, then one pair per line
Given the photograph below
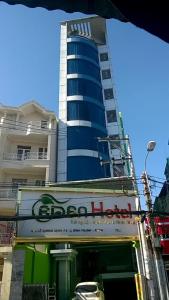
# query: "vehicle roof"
x,y
87,282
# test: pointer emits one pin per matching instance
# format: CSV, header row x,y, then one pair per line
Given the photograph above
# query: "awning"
x,y
150,15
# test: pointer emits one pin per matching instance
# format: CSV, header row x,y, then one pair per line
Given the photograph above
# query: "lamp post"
x,y
160,275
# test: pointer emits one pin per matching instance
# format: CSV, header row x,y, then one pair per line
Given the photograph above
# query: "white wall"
x,y
62,134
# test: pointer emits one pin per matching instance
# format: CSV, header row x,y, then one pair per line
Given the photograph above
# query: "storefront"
x,y
65,250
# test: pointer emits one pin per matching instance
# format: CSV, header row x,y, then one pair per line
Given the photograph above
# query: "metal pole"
x,y
146,259
157,258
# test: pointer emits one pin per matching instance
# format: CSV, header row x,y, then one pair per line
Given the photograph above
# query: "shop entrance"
x,y
120,288
107,264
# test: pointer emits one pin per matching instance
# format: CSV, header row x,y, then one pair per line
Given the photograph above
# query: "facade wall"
x,y
28,140
31,129
87,103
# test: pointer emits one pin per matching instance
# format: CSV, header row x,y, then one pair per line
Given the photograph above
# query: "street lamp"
x,y
150,147
160,275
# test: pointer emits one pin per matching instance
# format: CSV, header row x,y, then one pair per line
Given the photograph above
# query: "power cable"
x,y
65,216
23,124
21,129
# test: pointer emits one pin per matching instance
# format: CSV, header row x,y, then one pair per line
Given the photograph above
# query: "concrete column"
x,y
17,275
51,156
64,258
6,253
73,276
141,271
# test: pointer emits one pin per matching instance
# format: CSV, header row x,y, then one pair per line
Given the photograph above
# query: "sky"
x,y
29,70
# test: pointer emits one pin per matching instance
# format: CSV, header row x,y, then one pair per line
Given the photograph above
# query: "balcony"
x,y
25,156
26,128
6,193
7,202
25,161
9,191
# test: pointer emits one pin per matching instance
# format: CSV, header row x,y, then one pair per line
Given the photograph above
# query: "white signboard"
x,y
57,203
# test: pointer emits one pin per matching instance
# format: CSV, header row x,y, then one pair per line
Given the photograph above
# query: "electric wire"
x,y
35,131
23,124
75,215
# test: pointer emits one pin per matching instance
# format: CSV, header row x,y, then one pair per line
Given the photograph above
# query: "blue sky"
x,y
29,69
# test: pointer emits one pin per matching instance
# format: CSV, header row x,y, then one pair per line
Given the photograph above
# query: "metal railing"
x,y
25,156
35,126
7,193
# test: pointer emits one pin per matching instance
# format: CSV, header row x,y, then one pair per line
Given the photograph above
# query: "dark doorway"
x,y
120,289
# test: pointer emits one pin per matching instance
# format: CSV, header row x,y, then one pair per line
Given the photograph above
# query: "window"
x,y
40,182
84,87
86,288
42,153
83,110
106,74
80,48
113,143
111,116
44,124
11,120
108,94
81,137
16,182
23,152
104,56
85,167
82,66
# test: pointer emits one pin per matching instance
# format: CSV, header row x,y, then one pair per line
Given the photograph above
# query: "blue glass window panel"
x,y
111,116
84,167
78,48
83,110
81,137
84,87
103,150
81,66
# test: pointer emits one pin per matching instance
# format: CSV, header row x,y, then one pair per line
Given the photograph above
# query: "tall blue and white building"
x,y
87,104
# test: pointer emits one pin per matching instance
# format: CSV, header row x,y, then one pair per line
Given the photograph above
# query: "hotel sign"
x,y
64,204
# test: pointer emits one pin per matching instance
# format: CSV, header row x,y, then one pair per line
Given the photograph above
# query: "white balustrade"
x,y
8,193
27,127
25,156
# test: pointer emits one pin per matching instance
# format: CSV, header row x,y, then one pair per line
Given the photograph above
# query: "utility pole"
x,y
160,275
147,266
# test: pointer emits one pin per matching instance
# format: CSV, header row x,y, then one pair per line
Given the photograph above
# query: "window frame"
x,y
106,74
44,124
104,56
111,116
108,94
42,152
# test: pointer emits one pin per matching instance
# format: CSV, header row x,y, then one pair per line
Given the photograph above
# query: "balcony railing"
x,y
8,193
9,190
32,126
25,156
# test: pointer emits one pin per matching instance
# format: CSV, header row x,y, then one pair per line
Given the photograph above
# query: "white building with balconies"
x,y
27,157
27,149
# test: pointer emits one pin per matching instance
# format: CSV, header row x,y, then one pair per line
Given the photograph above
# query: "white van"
x,y
90,290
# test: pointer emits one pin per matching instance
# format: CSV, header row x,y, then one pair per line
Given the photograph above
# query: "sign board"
x,y
45,203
